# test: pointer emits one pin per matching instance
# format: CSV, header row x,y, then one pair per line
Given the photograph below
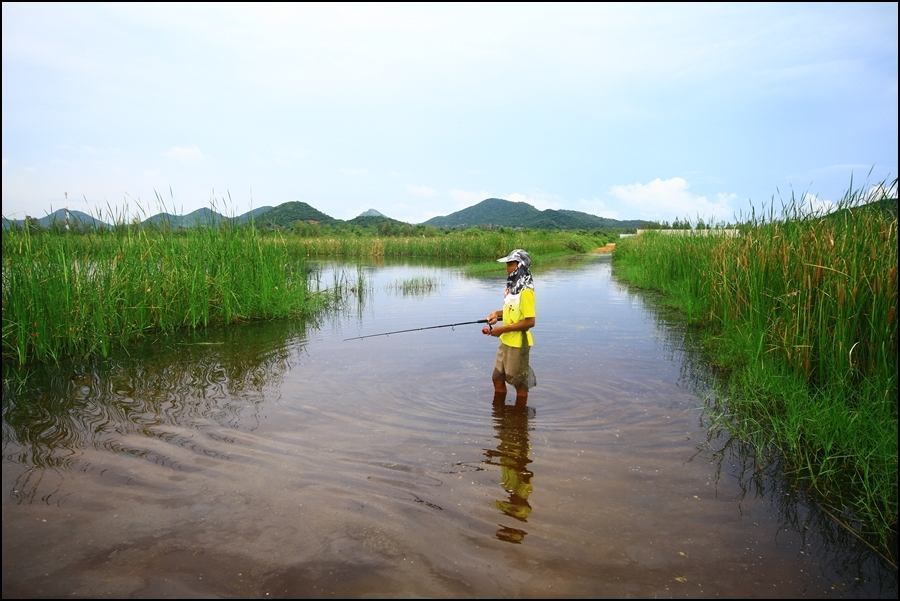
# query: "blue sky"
x,y
417,110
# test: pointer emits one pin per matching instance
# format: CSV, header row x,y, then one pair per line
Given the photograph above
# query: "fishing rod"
x,y
446,325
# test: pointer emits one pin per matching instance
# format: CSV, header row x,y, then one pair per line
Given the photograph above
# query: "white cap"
x,y
518,255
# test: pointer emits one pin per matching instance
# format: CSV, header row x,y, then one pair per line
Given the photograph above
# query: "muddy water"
x,y
277,460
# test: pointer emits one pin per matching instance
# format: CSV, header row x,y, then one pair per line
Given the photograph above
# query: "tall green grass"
x,y
71,295
79,295
462,245
803,310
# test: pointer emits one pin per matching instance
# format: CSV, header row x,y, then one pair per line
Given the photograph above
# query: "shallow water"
x,y
278,460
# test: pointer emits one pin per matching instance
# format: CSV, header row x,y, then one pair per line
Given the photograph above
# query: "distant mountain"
x,y
59,218
253,215
284,215
886,205
376,221
200,217
603,222
371,213
499,212
490,212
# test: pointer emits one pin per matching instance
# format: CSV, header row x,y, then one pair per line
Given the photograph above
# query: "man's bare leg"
x,y
521,397
499,391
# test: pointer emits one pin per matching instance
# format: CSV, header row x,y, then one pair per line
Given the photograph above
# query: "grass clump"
x,y
801,310
79,295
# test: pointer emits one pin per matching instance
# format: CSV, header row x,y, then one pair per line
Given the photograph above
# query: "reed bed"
x,y
802,310
454,246
80,295
76,295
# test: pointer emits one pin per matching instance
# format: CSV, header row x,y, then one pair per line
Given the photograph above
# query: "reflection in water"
x,y
761,474
417,286
838,548
511,424
214,379
230,457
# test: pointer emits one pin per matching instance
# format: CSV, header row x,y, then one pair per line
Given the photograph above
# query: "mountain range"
x,y
499,212
491,212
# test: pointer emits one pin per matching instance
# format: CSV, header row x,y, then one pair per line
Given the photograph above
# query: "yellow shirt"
x,y
517,307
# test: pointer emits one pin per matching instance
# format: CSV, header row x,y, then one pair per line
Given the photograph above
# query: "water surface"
x,y
278,460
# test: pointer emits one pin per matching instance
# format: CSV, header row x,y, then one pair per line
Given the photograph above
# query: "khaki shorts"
x,y
512,365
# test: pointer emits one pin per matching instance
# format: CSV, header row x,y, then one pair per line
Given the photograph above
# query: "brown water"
x,y
277,460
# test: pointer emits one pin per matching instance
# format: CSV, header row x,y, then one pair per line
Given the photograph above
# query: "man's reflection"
x,y
511,424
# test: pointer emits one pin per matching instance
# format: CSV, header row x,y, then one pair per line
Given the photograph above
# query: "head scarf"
x,y
518,280
521,278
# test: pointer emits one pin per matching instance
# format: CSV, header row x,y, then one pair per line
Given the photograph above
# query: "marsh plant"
x,y
456,245
79,295
68,294
802,310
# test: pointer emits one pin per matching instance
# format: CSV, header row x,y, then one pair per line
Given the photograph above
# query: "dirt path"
x,y
605,249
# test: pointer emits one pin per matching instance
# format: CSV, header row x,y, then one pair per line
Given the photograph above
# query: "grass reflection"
x,y
764,475
219,378
417,286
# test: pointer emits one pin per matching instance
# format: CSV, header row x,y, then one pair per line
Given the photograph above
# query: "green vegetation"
x,y
803,313
291,212
458,245
68,294
79,295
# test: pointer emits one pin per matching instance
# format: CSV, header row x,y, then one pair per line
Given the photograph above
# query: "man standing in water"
x,y
518,314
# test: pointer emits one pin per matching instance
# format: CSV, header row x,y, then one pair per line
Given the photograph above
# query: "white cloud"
x,y
812,205
184,153
881,191
671,199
